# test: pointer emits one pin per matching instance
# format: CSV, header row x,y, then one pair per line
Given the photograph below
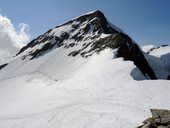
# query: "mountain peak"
x,y
87,27
93,14
84,36
95,18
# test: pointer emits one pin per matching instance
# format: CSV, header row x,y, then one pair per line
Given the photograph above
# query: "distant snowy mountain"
x,y
159,60
86,73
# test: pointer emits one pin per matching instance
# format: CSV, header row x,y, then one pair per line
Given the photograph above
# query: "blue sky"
x,y
146,21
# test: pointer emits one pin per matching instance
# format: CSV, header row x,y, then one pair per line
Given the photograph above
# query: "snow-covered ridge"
x,y
147,48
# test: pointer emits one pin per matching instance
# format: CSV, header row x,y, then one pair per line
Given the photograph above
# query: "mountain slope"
x,y
58,81
84,36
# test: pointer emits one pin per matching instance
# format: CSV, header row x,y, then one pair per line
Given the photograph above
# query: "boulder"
x,y
160,119
161,116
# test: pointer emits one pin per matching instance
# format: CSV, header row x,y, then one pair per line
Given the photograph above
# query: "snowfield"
x,y
97,92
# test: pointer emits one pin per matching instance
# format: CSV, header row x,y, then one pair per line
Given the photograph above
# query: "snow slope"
x,y
55,90
95,95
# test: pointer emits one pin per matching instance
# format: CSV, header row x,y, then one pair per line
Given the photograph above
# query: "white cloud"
x,y
11,38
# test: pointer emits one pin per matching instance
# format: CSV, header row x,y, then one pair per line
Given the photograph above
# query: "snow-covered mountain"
x,y
85,73
84,36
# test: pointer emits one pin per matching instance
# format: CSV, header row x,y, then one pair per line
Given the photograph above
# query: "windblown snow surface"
x,y
57,91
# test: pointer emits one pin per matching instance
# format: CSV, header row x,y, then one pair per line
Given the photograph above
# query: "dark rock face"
x,y
160,119
131,51
86,31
